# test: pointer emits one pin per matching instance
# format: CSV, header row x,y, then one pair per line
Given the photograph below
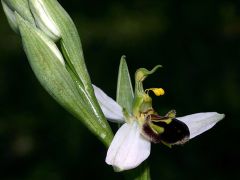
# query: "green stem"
x,y
142,172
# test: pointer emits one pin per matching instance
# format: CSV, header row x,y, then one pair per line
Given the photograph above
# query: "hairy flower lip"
x,y
197,124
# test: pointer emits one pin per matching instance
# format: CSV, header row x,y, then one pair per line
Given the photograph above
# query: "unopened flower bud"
x,y
10,17
21,7
43,19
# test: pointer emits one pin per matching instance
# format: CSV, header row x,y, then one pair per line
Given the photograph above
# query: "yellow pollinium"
x,y
156,91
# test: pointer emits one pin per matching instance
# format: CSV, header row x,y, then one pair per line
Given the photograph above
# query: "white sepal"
x,y
200,122
128,148
111,109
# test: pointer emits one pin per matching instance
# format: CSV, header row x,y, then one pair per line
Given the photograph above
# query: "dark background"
x,y
197,42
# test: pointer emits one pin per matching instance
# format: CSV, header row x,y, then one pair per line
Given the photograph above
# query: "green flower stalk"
x,y
44,26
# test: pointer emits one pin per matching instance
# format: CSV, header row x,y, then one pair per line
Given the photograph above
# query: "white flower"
x,y
129,147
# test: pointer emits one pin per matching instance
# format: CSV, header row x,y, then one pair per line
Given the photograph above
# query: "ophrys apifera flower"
x,y
132,142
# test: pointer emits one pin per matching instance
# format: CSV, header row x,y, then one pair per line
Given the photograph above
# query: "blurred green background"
x,y
198,44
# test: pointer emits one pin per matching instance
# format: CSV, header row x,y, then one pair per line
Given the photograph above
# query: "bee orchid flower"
x,y
131,144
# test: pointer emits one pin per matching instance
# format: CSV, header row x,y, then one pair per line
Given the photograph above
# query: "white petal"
x,y
111,109
128,148
200,122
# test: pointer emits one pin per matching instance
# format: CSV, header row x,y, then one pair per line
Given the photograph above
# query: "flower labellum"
x,y
166,129
143,125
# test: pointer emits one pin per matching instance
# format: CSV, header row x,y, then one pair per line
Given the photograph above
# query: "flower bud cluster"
x,y
53,47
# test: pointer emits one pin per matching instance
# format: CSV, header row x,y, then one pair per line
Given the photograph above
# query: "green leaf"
x,y
45,60
124,86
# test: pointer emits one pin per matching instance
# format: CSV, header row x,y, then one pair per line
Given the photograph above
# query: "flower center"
x,y
165,129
